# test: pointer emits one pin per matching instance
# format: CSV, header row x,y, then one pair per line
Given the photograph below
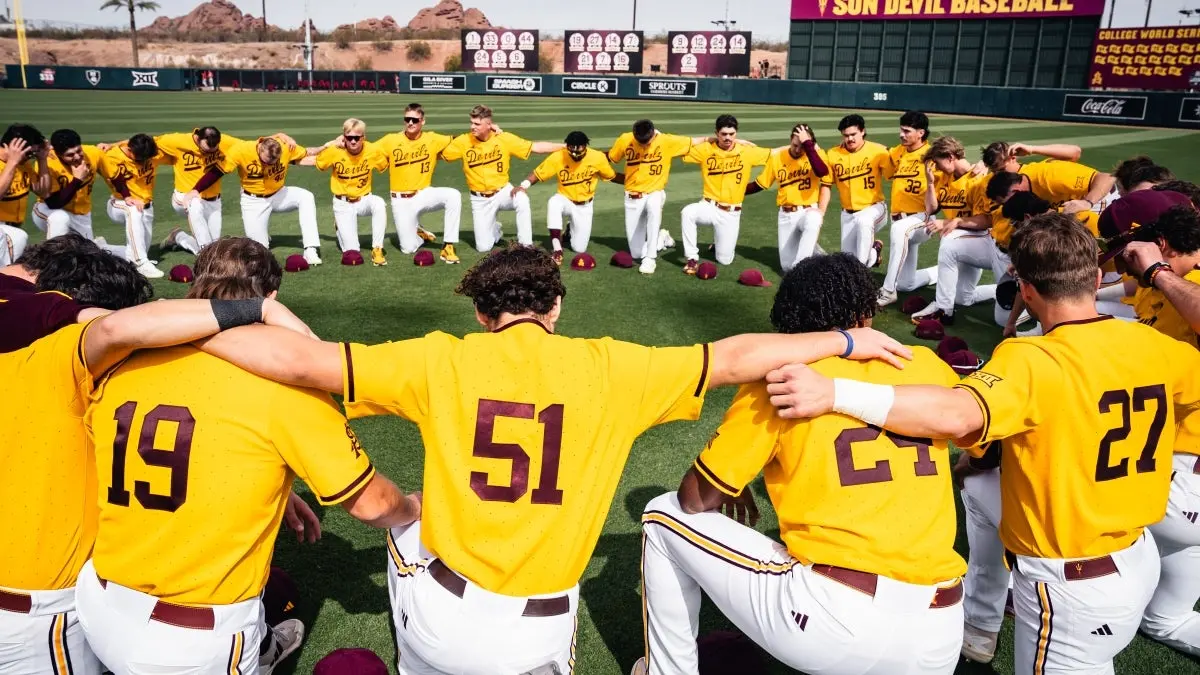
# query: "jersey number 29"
x,y
547,491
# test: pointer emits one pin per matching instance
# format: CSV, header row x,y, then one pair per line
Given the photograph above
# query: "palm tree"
x,y
132,6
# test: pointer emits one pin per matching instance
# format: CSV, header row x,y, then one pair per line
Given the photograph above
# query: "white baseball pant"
x,y
484,212
963,255
907,235
46,640
643,220
119,626
798,233
345,219
1001,270
256,215
559,207
725,226
139,228
1078,626
12,243
1169,617
480,633
405,212
203,219
858,231
987,581
806,620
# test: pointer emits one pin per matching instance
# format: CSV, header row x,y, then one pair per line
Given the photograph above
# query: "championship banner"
x,y
708,52
493,49
602,51
1165,58
831,10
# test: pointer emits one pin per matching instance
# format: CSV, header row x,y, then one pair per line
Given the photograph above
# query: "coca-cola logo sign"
x,y
1103,107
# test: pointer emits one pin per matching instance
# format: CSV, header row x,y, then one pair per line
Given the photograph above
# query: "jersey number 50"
x,y
177,460
547,491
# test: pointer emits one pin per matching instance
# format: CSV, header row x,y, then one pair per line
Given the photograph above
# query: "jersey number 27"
x,y
546,492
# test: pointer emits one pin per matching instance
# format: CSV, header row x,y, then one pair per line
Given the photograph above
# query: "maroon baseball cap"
x,y
706,271
728,652
913,304
182,274
949,345
583,262
963,361
295,263
280,596
931,329
1125,215
352,258
355,661
622,259
752,277
423,258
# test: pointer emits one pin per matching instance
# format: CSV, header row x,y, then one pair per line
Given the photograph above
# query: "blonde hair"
x,y
354,124
945,147
271,147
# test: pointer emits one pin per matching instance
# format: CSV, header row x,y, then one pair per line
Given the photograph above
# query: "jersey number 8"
x,y
547,491
177,460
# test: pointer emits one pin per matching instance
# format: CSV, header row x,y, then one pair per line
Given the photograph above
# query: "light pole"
x,y
725,23
634,15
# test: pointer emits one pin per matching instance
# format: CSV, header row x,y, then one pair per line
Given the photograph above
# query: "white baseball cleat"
x,y
886,297
639,668
1036,331
648,266
170,242
285,638
311,257
925,313
664,240
148,270
978,645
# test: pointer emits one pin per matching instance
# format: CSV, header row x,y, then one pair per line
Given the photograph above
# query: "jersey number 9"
x,y
547,491
177,460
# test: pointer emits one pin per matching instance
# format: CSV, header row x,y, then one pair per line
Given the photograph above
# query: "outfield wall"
x,y
1160,109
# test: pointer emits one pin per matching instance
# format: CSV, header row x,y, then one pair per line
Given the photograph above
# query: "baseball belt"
x,y
732,208
15,198
901,216
197,618
867,582
635,195
535,607
582,203
9,222
349,200
21,603
404,195
852,210
147,204
1078,570
266,196
485,195
211,199
789,208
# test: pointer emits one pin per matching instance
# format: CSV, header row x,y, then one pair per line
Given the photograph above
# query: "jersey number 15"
x,y
546,492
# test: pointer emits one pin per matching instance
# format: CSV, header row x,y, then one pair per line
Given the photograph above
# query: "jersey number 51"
x,y
547,491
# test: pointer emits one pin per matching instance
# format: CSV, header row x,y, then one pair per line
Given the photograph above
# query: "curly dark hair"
x,y
1140,169
825,292
74,265
1024,205
516,280
1183,187
995,155
1001,183
1179,226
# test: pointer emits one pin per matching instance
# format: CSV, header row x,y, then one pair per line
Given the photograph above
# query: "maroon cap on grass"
x,y
622,259
964,361
423,258
706,271
356,661
351,258
752,277
913,304
295,263
949,345
583,262
931,329
280,596
182,274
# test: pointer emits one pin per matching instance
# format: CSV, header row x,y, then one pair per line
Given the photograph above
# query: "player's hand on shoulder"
x,y
979,169
275,313
1140,255
301,519
868,344
1076,206
742,508
799,392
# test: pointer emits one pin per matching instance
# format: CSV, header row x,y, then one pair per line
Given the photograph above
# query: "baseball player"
x,y
48,458
129,168
965,249
1073,524
819,602
66,203
20,145
350,164
802,171
912,205
193,155
262,167
486,155
857,166
487,581
412,157
725,170
207,478
578,169
1139,173
647,154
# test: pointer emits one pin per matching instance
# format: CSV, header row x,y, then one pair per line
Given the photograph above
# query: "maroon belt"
x,y
723,207
485,195
582,203
352,200
20,603
635,195
536,607
1077,570
867,582
197,618
789,208
404,195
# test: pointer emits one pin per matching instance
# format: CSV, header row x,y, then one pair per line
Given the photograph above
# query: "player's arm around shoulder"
x,y
282,355
749,357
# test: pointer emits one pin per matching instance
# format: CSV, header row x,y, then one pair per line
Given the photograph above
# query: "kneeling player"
x,y
350,182
912,205
851,589
65,205
130,168
802,171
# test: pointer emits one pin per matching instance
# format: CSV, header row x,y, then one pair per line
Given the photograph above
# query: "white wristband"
x,y
525,184
870,403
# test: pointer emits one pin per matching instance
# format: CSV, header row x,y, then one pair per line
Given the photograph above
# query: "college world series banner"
x,y
817,10
1166,58
602,51
708,52
492,49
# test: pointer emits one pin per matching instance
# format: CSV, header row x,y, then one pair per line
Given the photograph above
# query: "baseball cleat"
x,y
449,256
664,240
932,312
557,256
378,259
648,266
877,246
311,256
886,297
169,242
639,668
690,267
285,638
978,645
425,234
1036,331
148,270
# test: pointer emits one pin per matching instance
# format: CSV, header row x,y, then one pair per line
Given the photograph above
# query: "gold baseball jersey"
x,y
961,197
194,479
115,165
798,185
49,475
1110,392
726,173
258,179
351,174
1055,181
1154,310
486,163
61,176
859,174
834,480
191,163
648,166
906,169
16,198
411,162
521,459
576,180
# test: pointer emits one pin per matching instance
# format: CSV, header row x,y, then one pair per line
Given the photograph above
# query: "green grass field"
x,y
344,590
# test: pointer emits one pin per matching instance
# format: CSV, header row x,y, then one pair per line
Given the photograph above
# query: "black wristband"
x,y
234,313
1148,275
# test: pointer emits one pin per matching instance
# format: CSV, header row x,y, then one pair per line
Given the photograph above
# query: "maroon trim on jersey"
x,y
349,373
510,324
1102,317
703,373
354,485
818,165
709,474
64,196
983,406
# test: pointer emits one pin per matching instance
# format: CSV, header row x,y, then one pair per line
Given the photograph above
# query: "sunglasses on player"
x,y
412,120
353,139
